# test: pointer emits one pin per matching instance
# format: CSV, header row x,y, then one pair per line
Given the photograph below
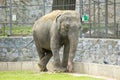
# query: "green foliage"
x,y
24,75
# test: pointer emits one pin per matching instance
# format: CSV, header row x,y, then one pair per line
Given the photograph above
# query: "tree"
x,y
63,5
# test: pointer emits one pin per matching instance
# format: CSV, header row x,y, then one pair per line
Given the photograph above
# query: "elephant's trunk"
x,y
73,46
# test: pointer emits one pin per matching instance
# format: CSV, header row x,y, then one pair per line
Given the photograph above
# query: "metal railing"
x,y
100,24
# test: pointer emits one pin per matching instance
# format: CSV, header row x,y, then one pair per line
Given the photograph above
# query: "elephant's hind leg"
x,y
41,52
46,59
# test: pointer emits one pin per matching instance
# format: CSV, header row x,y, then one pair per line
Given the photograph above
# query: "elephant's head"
x,y
69,25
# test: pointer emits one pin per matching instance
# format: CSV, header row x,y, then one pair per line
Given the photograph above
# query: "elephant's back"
x,y
45,23
52,15
46,20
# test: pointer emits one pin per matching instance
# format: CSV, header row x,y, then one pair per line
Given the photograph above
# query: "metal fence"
x,y
18,16
103,17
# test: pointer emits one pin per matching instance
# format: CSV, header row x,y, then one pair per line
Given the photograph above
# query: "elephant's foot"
x,y
60,69
42,68
70,67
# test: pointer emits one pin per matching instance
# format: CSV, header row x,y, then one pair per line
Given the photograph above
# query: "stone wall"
x,y
17,49
103,51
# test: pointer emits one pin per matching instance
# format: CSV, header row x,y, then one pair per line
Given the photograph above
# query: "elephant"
x,y
59,28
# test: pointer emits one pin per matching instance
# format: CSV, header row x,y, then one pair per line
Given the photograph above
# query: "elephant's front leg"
x,y
65,55
72,51
55,50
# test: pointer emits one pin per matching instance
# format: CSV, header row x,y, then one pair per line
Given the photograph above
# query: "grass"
x,y
16,30
22,30
25,75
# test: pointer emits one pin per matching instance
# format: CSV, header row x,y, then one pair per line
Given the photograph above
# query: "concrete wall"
x,y
103,51
108,71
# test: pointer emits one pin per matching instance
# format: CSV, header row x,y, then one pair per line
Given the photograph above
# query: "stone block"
x,y
105,70
81,67
27,66
36,67
77,67
3,66
93,69
116,74
14,66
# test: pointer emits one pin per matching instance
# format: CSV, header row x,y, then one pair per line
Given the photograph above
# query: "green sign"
x,y
85,17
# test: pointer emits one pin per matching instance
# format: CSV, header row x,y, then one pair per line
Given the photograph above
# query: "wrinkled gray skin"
x,y
51,32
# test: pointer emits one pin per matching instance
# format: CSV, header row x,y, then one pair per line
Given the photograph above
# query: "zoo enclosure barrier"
x,y
101,70
18,16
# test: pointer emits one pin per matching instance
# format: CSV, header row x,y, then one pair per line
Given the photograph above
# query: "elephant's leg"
x,y
55,50
65,56
46,59
41,52
70,60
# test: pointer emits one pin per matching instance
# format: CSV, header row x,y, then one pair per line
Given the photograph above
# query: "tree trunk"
x,y
63,5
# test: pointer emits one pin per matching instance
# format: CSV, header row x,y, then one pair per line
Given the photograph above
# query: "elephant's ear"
x,y
58,21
